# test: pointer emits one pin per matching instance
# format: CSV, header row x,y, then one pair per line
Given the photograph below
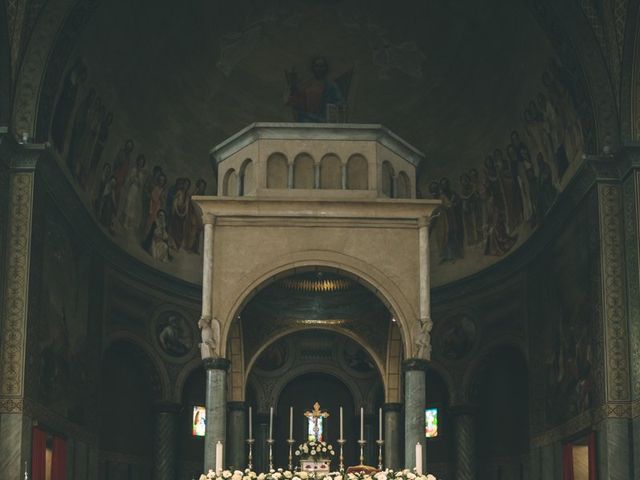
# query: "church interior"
x,y
408,229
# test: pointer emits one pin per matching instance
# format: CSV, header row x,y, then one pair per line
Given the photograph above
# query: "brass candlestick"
x,y
270,443
341,441
290,441
380,444
250,442
362,443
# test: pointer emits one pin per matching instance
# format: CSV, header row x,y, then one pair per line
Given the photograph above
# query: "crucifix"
x,y
316,416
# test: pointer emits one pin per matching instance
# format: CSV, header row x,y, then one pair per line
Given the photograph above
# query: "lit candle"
x,y
418,458
361,423
250,424
380,421
218,457
270,423
341,434
291,422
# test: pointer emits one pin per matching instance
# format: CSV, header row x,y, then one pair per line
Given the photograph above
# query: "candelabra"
x,y
380,444
341,441
291,441
270,442
362,443
250,442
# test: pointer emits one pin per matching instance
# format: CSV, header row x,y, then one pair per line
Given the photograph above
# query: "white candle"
x,y
290,422
341,434
380,421
361,423
250,424
218,457
270,423
418,458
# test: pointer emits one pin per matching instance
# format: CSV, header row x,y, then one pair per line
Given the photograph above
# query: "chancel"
x,y
349,237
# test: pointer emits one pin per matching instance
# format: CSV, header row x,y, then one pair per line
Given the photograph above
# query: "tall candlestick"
x,y
250,423
380,422
218,457
418,458
361,423
341,433
270,422
290,422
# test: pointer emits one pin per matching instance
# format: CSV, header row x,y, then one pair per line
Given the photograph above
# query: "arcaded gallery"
x,y
320,240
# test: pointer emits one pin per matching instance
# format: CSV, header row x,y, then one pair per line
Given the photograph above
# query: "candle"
x,y
418,458
380,421
291,422
341,434
270,423
218,457
361,423
250,424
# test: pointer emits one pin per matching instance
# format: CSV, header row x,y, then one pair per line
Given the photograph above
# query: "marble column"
x,y
237,435
290,184
613,447
465,449
414,404
392,435
216,405
164,464
316,175
343,174
260,451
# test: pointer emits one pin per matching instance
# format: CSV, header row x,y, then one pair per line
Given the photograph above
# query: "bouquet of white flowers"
x,y
281,474
314,450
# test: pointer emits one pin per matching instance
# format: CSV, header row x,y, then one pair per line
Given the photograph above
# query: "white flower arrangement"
x,y
280,474
314,450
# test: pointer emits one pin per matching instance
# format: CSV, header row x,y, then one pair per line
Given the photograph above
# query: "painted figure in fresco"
x,y
86,143
121,165
453,242
510,187
193,224
171,337
108,207
98,148
131,207
157,200
547,191
480,210
316,99
158,243
66,103
470,199
97,195
171,193
79,127
179,210
147,188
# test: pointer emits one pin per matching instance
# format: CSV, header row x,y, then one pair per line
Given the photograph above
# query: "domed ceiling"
x,y
452,78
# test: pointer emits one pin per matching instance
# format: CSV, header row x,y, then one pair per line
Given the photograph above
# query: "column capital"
x,y
392,407
218,363
415,364
209,219
168,407
424,221
236,406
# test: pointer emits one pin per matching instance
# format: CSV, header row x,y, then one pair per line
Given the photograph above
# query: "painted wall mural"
x,y
149,212
493,108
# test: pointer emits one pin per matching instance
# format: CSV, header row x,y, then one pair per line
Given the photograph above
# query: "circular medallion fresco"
x,y
173,334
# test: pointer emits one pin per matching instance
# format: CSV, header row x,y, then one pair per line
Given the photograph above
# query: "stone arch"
x,y
471,373
368,275
330,172
630,83
387,179
342,331
230,183
357,173
5,70
403,186
277,171
151,361
247,178
303,171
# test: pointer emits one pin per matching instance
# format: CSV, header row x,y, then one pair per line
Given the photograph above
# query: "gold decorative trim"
x,y
11,405
16,289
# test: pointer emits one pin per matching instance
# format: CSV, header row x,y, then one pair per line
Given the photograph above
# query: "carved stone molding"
x,y
613,293
16,288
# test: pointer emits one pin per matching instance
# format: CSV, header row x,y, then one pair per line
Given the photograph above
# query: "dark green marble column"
x,y
392,435
236,436
414,404
216,405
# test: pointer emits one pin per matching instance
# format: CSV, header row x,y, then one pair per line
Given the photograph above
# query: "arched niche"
x,y
330,172
230,183
247,178
357,173
303,172
190,447
403,185
277,171
387,179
